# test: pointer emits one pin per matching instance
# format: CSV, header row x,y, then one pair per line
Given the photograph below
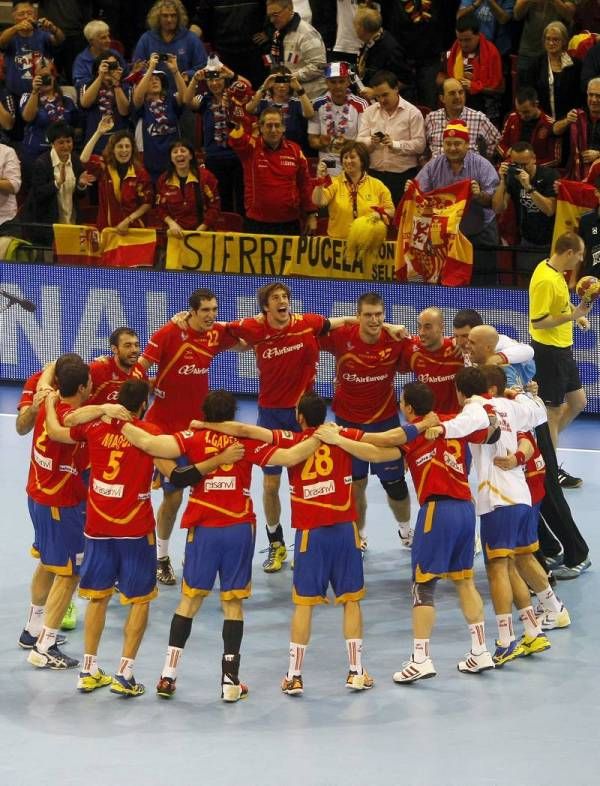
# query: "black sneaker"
x,y
27,641
567,481
164,571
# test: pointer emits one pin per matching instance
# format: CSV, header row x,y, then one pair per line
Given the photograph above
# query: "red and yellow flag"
x,y
574,199
84,245
429,240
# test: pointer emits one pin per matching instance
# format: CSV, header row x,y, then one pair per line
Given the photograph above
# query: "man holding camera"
x,y
531,189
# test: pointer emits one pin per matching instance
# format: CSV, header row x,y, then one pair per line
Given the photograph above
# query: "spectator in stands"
x,y
277,186
105,94
231,29
346,43
531,189
336,118
218,156
529,124
591,64
168,35
187,195
283,91
7,115
483,134
58,180
159,110
479,220
352,193
298,45
379,51
124,187
583,137
477,65
492,17
40,108
97,34
10,183
587,16
536,16
24,43
394,133
70,16
555,75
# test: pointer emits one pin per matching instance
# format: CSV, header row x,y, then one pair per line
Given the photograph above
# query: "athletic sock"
x,y
505,629
46,639
529,620
90,664
171,662
230,668
126,668
354,648
275,534
550,602
420,650
296,659
162,548
477,631
181,627
35,620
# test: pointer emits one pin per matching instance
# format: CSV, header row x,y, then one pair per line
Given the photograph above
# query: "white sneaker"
x,y
405,533
555,619
412,671
474,664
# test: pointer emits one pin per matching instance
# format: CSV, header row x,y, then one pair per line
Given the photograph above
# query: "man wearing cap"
x,y
336,116
478,223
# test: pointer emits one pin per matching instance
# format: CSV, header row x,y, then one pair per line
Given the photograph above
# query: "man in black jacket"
x,y
379,52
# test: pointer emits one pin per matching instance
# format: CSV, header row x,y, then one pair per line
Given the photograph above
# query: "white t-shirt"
x,y
347,40
302,7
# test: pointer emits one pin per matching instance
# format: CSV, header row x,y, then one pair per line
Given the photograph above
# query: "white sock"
x,y
126,668
172,662
354,647
90,664
46,639
296,659
505,629
549,601
477,631
35,620
420,650
529,620
162,548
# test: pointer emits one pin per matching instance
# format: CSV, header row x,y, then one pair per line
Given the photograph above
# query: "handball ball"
x,y
588,288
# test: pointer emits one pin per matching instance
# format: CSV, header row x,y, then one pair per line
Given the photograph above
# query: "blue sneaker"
x,y
505,654
564,573
27,641
126,688
53,658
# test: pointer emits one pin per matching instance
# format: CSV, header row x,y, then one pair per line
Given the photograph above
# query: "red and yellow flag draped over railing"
x,y
429,239
84,245
573,200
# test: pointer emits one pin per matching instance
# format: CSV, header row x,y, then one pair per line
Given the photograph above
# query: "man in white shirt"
x,y
394,132
10,183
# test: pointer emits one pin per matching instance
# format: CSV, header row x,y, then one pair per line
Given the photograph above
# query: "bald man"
x,y
482,347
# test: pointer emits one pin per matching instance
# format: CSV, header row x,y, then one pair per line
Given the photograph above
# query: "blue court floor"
x,y
534,721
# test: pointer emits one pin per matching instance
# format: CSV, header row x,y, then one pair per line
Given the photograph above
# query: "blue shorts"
x,y
272,418
328,555
527,536
385,470
59,536
159,481
227,551
444,541
35,546
500,528
130,561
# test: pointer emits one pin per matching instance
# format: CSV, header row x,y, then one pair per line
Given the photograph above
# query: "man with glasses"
x,y
586,149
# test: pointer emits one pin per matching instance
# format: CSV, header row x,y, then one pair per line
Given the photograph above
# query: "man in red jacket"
x,y
277,186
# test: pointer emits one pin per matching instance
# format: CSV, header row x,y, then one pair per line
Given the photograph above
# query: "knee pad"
x,y
395,489
423,594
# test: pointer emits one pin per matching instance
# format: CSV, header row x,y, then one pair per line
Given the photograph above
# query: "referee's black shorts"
x,y
555,372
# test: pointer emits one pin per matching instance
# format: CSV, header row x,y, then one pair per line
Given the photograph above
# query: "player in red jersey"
x,y
445,529
222,526
364,397
108,374
119,532
287,353
183,356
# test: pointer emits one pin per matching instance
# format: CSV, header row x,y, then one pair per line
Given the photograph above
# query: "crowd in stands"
x,y
170,114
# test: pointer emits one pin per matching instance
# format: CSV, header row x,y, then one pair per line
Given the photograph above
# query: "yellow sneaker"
x,y
88,682
276,557
356,681
533,644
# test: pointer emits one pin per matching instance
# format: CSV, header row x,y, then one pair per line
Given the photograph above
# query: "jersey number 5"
x,y
114,465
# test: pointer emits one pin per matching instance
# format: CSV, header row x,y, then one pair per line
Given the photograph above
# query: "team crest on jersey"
x,y
287,435
187,434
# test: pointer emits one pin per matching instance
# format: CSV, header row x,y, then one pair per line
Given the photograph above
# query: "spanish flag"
x,y
574,199
429,239
84,245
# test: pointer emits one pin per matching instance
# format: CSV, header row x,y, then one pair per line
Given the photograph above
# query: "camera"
x,y
329,163
378,134
46,80
112,66
283,79
163,57
212,74
514,169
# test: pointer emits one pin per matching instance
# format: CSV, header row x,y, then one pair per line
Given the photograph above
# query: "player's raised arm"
x,y
289,457
160,446
361,450
53,428
234,428
90,412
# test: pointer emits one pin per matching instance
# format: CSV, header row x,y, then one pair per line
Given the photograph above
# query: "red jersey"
x,y
181,204
119,198
29,390
364,374
277,185
107,378
437,467
222,498
118,504
321,486
54,478
183,357
286,357
436,368
535,469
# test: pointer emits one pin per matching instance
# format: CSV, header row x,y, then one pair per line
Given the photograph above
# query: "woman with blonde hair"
x,y
555,75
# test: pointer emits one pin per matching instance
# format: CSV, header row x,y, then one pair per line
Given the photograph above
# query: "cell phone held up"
x,y
378,135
